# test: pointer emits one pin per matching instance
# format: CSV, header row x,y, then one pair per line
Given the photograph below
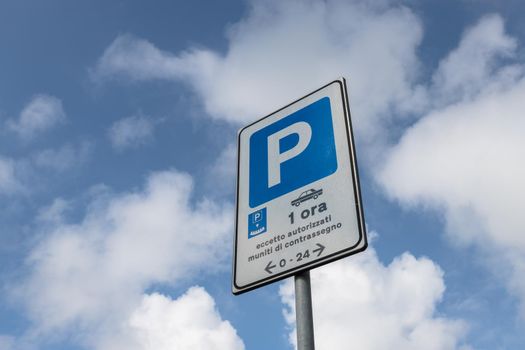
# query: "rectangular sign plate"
x,y
298,197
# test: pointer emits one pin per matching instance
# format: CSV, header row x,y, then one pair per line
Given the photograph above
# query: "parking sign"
x,y
298,197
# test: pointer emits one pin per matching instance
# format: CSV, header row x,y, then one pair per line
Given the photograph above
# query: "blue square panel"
x,y
292,152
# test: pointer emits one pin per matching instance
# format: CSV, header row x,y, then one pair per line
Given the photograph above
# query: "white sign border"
x,y
361,244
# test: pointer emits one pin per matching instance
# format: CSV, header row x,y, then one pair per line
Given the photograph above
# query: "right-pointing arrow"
x,y
269,267
320,249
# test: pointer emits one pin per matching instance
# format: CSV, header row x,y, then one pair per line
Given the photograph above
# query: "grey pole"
x,y
303,312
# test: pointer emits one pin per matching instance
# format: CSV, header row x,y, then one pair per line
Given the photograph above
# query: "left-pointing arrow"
x,y
269,267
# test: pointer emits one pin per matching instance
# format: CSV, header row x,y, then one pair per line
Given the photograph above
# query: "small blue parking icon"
x,y
257,223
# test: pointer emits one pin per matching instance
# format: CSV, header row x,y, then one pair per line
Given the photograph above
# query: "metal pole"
x,y
303,311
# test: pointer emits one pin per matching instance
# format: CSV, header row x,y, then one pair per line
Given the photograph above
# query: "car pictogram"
x,y
306,195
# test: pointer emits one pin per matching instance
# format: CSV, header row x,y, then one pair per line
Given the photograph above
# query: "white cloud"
x,y
136,59
476,62
88,276
9,182
63,158
6,342
54,213
221,175
21,175
467,159
131,132
42,113
190,322
284,49
360,303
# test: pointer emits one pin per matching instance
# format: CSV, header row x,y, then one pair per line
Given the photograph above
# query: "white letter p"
x,y
275,158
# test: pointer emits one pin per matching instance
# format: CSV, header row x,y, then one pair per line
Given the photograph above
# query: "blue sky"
x,y
118,125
